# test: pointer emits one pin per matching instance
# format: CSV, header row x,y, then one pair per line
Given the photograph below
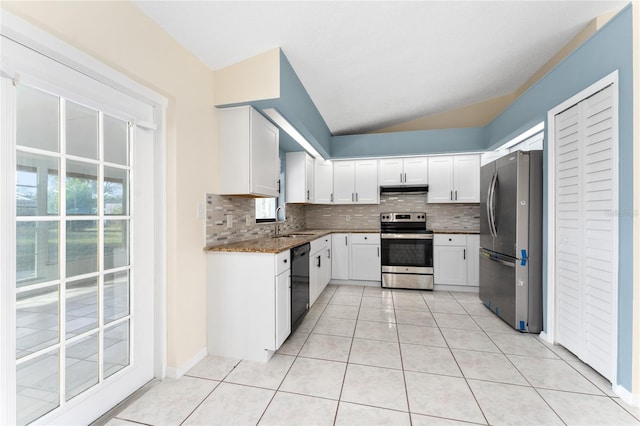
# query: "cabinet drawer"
x,y
365,238
449,240
320,243
282,262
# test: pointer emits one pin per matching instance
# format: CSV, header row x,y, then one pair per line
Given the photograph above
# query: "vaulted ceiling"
x,y
370,65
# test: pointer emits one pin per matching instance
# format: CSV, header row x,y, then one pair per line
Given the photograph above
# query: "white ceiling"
x,y
368,65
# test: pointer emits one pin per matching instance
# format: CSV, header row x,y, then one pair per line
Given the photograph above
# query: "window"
x,y
266,209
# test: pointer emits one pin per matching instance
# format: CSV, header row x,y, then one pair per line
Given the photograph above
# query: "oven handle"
x,y
406,236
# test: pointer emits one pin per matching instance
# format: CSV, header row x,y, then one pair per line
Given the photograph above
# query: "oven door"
x,y
407,260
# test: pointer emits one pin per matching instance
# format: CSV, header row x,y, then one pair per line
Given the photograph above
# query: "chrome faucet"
x,y
284,219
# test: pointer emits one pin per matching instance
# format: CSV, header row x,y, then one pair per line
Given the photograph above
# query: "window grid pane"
x,y
61,320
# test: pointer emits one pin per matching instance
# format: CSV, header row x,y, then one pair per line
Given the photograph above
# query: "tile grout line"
x,y
346,368
291,366
522,374
275,392
462,371
212,390
404,377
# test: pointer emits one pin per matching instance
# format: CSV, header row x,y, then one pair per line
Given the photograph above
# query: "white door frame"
x,y
42,42
549,333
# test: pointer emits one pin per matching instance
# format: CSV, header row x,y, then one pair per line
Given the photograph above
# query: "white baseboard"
x,y
177,372
628,397
356,282
460,288
544,336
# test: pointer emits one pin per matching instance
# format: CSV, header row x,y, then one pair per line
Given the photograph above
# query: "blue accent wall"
x,y
408,143
298,108
607,50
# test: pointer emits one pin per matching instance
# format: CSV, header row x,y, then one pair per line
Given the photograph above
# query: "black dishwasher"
x,y
299,284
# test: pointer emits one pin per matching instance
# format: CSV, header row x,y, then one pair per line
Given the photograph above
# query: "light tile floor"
x,y
370,356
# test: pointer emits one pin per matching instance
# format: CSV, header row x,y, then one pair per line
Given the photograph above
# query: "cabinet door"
x,y
283,307
234,150
315,276
326,268
265,164
297,177
366,182
323,182
440,179
416,171
365,262
466,178
390,171
309,179
343,182
340,256
449,265
473,260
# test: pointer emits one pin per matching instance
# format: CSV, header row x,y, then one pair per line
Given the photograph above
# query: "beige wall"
x,y
475,115
253,79
118,34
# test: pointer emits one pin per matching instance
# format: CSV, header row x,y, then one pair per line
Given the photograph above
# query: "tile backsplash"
x,y
244,226
463,217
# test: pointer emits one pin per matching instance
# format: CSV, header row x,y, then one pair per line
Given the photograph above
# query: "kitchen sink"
x,y
295,235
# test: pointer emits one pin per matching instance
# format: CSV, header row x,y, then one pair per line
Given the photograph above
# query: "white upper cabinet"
x,y
299,178
390,171
247,153
366,189
355,182
344,182
441,179
466,178
323,182
416,170
454,179
403,171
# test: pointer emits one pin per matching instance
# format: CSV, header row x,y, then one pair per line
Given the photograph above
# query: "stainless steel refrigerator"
x,y
511,239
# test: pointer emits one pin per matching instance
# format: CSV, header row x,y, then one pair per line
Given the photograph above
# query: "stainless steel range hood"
x,y
404,189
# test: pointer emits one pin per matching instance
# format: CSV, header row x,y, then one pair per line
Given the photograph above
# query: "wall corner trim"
x,y
181,370
625,395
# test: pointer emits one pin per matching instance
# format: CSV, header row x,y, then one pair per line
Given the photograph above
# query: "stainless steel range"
x,y
407,251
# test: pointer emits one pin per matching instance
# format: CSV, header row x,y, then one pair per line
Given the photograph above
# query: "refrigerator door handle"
x,y
491,208
497,258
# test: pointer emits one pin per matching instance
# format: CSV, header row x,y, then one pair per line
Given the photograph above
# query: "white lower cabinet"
x,y
283,307
364,259
473,260
319,267
340,256
455,259
248,308
355,256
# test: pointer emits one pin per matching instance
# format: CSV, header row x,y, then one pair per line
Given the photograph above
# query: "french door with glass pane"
x,y
72,249
82,324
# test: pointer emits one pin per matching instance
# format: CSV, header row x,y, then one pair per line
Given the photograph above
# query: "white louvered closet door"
x,y
586,230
